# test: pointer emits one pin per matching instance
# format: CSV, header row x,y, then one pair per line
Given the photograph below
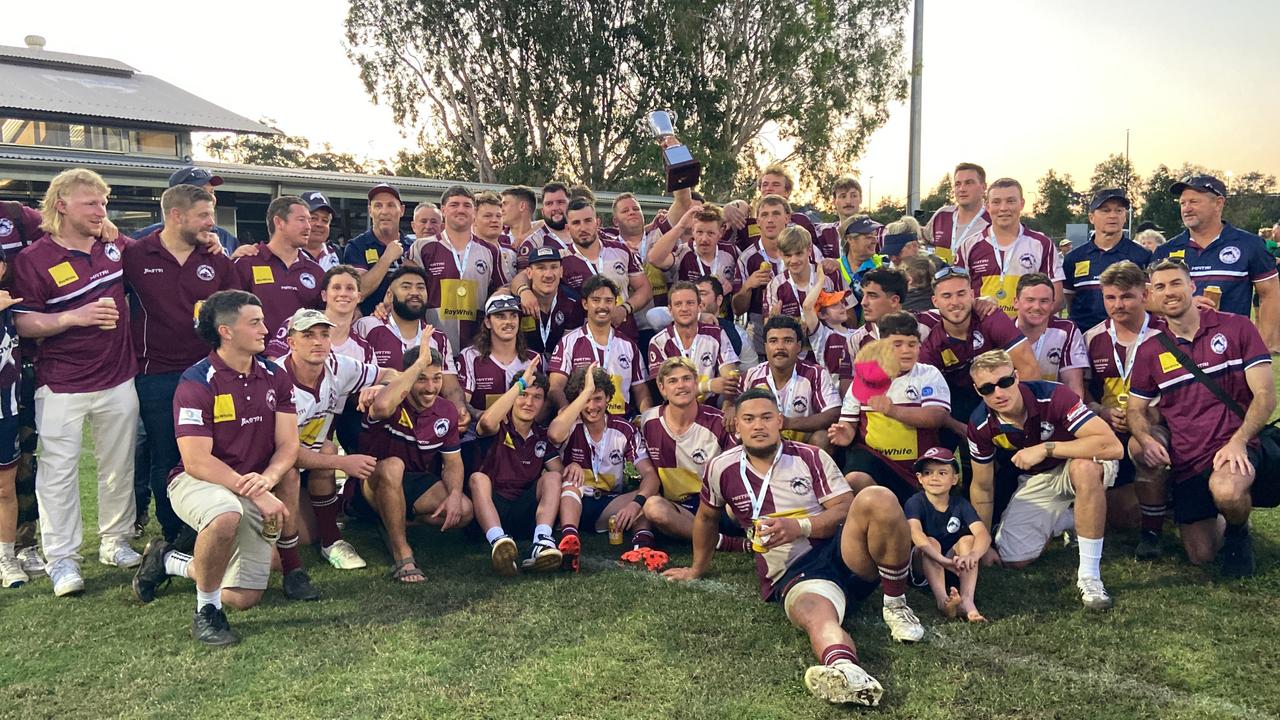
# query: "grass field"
x,y
614,643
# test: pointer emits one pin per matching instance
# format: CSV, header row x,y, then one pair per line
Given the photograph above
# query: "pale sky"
x,y
1019,87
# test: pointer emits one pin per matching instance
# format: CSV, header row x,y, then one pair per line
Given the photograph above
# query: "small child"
x,y
11,572
947,533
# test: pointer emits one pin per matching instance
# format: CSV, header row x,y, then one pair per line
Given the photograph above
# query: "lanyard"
x,y
703,269
757,501
596,451
684,351
545,330
594,269
1002,256
784,398
460,260
772,263
1126,369
604,351
955,244
1040,344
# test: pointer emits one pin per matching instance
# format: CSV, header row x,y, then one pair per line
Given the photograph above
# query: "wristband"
x,y
639,499
521,382
806,527
522,289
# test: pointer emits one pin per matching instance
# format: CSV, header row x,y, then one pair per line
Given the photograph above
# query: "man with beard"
x,y
318,247
557,311
488,227
1212,447
409,424
1056,342
1067,456
704,344
205,180
805,390
628,218
1225,261
819,545
1108,213
378,251
553,232
404,330
1006,250
951,224
465,270
598,342
171,272
280,274
590,254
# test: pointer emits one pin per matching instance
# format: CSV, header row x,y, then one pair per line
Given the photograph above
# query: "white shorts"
x,y
1039,510
198,502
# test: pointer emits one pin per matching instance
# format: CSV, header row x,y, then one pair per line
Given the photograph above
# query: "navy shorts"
x,y
1192,501
825,562
9,450
593,508
728,525
857,459
414,486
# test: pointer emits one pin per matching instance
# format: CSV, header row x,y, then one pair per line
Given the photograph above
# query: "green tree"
x,y
282,151
941,195
524,92
1058,204
889,209
1157,205
1115,172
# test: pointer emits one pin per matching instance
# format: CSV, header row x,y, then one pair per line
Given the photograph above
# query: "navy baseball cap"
x,y
317,201
1148,225
194,176
935,454
862,226
1106,194
1201,183
544,254
892,244
384,188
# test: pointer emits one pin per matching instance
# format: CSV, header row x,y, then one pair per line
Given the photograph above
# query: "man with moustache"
x,y
553,231
806,392
951,224
598,342
846,200
280,274
1108,214
378,251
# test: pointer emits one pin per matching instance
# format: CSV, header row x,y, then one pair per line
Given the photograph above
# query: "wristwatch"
x,y
1048,448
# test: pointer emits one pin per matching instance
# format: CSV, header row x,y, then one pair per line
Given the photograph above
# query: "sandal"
x,y
408,572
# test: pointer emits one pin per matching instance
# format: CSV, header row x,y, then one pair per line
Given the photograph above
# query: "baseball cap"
x,y
1202,183
544,254
501,303
194,176
893,244
305,319
317,201
1106,194
862,226
384,188
935,454
1147,225
869,380
827,299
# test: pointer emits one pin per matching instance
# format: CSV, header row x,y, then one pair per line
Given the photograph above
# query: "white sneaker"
x,y
118,554
66,577
11,572
31,561
342,556
843,682
543,557
903,624
1093,594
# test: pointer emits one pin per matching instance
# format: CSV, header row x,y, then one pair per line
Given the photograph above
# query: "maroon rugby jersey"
x,y
1054,413
415,436
283,289
484,379
389,346
515,461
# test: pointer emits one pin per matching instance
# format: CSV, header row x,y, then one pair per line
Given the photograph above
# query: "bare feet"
x,y
952,605
975,617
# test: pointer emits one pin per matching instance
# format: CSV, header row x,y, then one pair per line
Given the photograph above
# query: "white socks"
x,y
213,598
1090,558
493,533
176,563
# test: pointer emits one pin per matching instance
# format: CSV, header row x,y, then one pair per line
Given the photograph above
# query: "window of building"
x,y
80,136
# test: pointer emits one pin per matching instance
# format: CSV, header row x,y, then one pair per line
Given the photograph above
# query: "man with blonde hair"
x,y
72,290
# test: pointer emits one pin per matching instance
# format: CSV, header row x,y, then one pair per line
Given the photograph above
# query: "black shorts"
x,y
728,525
414,485
1192,501
518,515
9,448
859,459
592,508
825,562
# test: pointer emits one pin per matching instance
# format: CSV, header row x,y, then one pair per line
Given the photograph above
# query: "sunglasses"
x,y
1003,383
950,271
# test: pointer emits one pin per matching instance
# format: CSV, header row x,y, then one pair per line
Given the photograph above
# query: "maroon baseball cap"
x,y
384,188
935,454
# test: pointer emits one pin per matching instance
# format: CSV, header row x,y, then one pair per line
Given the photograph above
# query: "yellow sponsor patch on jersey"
x,y
63,274
1002,441
224,408
404,419
1082,268
1178,254
1169,363
949,358
371,255
262,275
309,433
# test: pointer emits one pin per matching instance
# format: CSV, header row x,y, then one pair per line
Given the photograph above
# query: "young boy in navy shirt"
x,y
947,533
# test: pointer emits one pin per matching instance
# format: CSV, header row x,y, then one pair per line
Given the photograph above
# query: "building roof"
x,y
38,82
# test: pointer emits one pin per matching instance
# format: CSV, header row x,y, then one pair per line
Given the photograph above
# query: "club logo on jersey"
x,y
205,272
615,457
953,525
113,252
978,340
6,227
800,486
1027,261
698,456
559,318
619,268
540,448
1046,430
800,405
308,280
624,362
1229,255
1055,355
482,267
1218,344
271,399
441,427
706,359
913,395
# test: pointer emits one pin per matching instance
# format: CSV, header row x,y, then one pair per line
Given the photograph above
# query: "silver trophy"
x,y
682,170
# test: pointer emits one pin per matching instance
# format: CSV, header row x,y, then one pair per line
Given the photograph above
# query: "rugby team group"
x,y
853,406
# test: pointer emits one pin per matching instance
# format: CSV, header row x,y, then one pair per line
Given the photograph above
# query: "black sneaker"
x,y
297,586
1237,555
210,627
151,573
1148,546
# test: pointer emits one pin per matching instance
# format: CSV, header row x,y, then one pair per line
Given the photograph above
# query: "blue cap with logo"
x,y
862,226
317,201
194,176
1201,183
544,254
1106,194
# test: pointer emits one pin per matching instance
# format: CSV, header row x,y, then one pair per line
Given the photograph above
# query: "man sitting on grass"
x,y
820,545
518,485
408,425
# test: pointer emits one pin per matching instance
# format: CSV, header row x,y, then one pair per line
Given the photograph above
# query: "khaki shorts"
x,y
1039,510
198,502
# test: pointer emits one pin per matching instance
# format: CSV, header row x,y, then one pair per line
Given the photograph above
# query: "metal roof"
x,y
41,164
40,83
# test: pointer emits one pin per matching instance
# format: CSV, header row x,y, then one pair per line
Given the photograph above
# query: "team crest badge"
x,y
1046,430
800,405
205,272
913,395
441,427
619,268
113,252
559,318
615,457
624,362
1218,344
271,400
6,227
482,267
953,525
1055,355
1027,261
1229,255
978,340
706,359
540,448
308,280
800,485
698,456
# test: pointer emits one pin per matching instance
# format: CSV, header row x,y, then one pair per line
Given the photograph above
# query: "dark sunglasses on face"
x,y
1003,383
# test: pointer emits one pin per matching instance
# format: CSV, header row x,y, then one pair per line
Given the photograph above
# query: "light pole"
x,y
913,152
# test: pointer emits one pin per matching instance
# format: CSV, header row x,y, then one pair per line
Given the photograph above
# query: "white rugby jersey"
x,y
603,460
810,390
618,357
922,386
1061,347
709,350
316,407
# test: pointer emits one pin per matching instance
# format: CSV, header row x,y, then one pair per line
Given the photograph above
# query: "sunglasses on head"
x,y
950,271
1003,383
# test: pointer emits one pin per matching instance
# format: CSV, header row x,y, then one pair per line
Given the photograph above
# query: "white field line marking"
x,y
1154,693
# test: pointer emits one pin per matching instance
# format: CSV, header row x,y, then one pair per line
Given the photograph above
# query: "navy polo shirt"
x,y
363,252
1233,262
1083,265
